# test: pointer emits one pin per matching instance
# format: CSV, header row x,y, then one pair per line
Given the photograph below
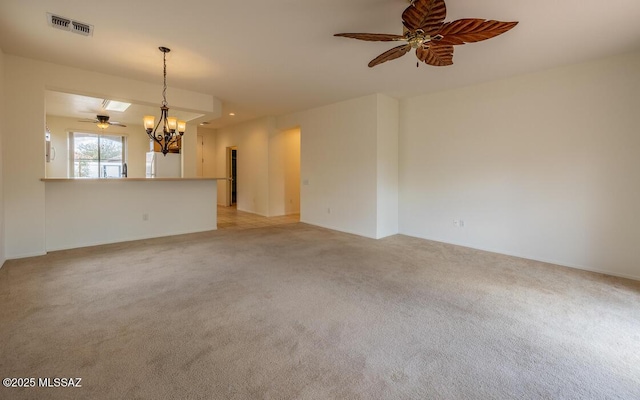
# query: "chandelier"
x,y
172,129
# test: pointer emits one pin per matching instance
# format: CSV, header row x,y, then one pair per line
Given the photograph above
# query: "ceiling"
x,y
278,56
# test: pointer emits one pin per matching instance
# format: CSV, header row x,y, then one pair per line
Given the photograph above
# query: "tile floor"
x,y
231,218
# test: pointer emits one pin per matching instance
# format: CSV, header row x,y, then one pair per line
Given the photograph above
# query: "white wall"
x,y
2,122
209,155
89,212
349,165
25,84
543,166
268,165
252,140
291,171
338,165
189,151
387,166
284,172
276,173
24,193
137,144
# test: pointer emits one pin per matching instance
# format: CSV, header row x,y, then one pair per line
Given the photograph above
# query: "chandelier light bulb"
x,y
149,122
172,124
182,126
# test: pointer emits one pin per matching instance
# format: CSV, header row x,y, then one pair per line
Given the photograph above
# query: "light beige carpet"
x,y
298,312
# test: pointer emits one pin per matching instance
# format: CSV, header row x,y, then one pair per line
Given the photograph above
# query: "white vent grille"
x,y
82,29
59,22
67,24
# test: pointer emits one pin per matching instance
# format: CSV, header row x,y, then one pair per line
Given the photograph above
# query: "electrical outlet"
x,y
145,217
328,210
456,222
461,223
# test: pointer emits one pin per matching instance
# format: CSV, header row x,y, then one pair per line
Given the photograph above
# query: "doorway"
x,y
232,174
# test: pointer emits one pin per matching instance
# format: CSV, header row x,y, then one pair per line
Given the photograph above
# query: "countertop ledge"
x,y
127,179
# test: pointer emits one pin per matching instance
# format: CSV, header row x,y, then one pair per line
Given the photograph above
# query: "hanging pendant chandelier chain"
x,y
164,90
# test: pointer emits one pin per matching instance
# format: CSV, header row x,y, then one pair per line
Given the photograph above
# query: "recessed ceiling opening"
x,y
113,105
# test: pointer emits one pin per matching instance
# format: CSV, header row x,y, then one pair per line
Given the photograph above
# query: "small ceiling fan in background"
x,y
424,29
102,121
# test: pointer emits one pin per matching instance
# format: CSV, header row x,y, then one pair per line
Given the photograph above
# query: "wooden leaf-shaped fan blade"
x,y
427,15
436,55
372,37
389,55
471,30
117,124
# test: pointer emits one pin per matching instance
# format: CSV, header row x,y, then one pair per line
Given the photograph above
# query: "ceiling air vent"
x,y
59,22
82,29
67,24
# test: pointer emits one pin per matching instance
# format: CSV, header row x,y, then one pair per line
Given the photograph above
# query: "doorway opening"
x,y
232,174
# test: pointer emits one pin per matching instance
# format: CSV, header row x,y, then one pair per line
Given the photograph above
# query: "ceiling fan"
x,y
424,29
102,121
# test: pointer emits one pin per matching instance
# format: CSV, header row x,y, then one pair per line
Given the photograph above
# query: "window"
x,y
96,156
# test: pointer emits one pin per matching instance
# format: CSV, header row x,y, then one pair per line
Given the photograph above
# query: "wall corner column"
x,y
387,187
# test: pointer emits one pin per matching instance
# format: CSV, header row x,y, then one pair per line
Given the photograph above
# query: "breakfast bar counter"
x,y
84,212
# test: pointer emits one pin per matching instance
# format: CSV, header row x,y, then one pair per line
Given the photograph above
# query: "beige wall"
x,y
209,155
387,166
25,83
137,144
543,166
268,165
291,171
189,151
338,165
24,193
2,97
252,140
86,213
284,172
344,146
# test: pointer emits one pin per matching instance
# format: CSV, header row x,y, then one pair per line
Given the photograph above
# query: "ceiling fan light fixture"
x,y
103,121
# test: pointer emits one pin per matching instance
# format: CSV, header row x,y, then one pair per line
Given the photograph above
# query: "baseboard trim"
x,y
333,228
129,239
547,261
26,255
